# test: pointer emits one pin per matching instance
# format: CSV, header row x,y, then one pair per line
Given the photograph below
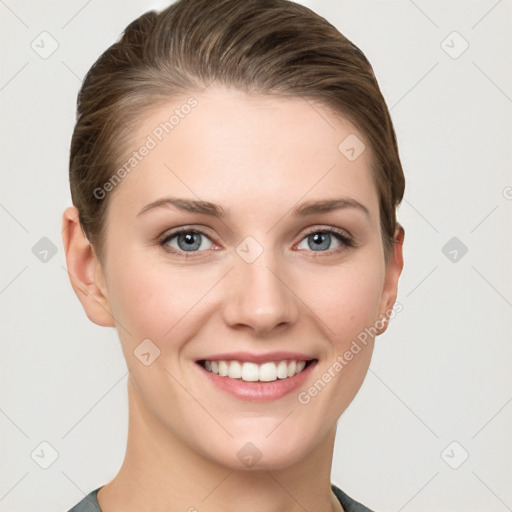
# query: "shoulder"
x,y
348,504
88,504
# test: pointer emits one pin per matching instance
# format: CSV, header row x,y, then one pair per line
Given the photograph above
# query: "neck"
x,y
162,474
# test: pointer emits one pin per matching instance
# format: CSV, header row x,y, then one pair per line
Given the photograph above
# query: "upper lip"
x,y
257,358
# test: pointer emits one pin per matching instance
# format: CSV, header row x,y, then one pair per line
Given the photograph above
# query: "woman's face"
x,y
260,284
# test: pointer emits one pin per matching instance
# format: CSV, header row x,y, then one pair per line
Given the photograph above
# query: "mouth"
x,y
252,377
248,371
263,381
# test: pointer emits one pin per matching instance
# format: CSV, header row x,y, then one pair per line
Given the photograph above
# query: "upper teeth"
x,y
265,372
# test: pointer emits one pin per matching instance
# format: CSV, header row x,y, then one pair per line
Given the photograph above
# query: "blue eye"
x,y
189,241
320,239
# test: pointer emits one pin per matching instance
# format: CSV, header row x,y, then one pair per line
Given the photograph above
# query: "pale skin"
x,y
258,158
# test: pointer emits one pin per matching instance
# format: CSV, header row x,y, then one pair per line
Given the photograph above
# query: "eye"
x,y
320,240
190,241
186,240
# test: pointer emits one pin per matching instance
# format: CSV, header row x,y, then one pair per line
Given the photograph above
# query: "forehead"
x,y
228,147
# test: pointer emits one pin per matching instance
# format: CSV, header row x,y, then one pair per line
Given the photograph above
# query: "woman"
x,y
235,176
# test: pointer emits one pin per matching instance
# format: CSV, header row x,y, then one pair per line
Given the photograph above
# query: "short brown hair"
x,y
268,47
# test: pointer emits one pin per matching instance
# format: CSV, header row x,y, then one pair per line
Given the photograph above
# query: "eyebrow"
x,y
215,210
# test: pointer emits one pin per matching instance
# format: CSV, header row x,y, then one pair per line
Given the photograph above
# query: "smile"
x,y
253,372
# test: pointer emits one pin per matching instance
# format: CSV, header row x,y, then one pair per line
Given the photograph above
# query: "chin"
x,y
258,452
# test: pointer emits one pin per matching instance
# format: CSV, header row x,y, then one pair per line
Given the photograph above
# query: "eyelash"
x,y
341,236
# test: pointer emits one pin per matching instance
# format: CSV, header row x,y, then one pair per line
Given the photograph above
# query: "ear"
x,y
85,271
393,271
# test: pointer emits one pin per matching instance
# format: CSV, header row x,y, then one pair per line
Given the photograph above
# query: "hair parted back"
x,y
264,47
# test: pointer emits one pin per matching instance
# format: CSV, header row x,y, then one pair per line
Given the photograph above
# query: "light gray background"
x,y
440,374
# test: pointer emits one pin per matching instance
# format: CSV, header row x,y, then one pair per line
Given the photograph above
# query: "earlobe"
x,y
393,271
85,271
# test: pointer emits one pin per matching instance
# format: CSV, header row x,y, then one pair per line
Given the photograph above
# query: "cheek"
x,y
139,298
349,308
347,300
153,300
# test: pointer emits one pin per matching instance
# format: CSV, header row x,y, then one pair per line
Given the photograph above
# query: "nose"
x,y
259,296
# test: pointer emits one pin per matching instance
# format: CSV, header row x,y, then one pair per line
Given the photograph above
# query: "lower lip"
x,y
259,391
